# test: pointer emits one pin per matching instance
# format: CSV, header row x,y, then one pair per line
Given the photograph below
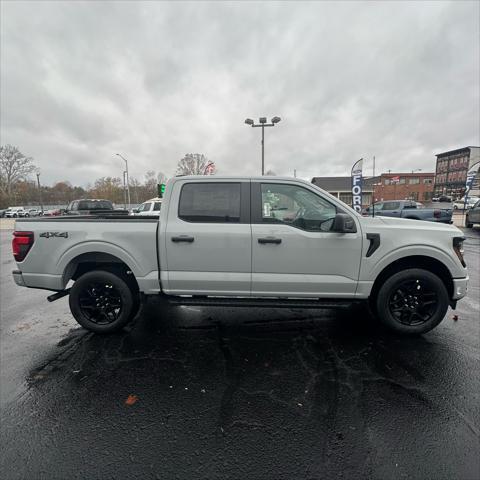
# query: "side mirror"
x,y
343,223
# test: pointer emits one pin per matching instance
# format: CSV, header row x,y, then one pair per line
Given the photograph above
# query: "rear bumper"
x,y
459,288
18,278
42,281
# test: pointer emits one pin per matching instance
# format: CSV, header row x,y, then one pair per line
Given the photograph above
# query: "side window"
x,y
391,206
210,202
145,207
378,207
156,206
296,206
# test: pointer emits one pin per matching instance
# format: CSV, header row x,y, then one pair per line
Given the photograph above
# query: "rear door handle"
x,y
270,240
183,238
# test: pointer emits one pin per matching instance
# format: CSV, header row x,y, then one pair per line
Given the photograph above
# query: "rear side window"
x,y
157,206
94,205
391,206
210,202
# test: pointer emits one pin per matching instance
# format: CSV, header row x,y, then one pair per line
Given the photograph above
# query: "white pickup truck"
x,y
259,242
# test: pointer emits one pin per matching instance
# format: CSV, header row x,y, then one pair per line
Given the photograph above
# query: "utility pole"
x,y
128,183
39,190
263,123
124,191
373,193
295,173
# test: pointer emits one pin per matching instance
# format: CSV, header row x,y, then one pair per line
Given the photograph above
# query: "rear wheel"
x,y
103,302
467,222
412,301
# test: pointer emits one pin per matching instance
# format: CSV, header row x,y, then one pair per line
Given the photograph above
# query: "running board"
x,y
258,302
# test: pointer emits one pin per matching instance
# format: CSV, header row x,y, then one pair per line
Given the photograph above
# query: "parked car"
x,y
442,199
30,212
54,212
409,209
217,243
460,204
150,207
472,217
14,212
92,206
2,212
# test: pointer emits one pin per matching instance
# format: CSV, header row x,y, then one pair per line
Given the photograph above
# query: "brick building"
x,y
451,172
400,186
341,187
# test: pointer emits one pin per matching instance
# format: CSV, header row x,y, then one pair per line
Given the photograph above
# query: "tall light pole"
x,y
39,190
262,122
126,170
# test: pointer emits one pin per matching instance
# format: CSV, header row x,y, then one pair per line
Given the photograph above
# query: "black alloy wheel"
x,y
103,302
412,301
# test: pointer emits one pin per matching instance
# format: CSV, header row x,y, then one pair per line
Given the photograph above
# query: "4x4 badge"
x,y
54,234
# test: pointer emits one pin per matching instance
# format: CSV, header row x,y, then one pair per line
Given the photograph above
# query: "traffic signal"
x,y
161,189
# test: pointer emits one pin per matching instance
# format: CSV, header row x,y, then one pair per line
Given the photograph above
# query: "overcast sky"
x,y
156,80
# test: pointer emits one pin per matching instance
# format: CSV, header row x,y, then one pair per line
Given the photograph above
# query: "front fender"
x,y
372,267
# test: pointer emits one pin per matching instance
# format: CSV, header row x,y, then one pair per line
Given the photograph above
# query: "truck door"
x,y
294,253
207,238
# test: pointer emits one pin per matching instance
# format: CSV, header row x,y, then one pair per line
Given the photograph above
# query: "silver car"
x,y
473,215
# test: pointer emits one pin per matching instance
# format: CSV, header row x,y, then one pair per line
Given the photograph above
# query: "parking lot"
x,y
236,393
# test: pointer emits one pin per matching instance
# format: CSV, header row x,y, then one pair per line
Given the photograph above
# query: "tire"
x,y
412,301
27,215
467,223
102,301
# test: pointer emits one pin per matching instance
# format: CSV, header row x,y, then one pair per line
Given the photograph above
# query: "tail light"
x,y
21,244
437,213
459,250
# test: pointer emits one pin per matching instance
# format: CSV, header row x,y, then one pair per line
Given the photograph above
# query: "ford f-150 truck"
x,y
259,242
410,209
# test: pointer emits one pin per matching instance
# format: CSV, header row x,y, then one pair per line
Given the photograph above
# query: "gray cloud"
x,y
81,81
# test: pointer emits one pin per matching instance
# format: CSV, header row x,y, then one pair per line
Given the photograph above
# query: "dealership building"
x,y
451,172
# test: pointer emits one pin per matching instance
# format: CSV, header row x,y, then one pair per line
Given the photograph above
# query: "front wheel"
x,y
467,223
102,302
412,301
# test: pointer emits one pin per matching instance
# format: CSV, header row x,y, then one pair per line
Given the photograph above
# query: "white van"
x,y
150,207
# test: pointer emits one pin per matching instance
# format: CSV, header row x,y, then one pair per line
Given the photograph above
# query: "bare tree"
x,y
14,167
195,164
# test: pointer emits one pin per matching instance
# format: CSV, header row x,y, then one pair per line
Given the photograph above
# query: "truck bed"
x,y
61,242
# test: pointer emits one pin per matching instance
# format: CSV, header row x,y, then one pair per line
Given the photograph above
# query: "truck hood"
x,y
371,223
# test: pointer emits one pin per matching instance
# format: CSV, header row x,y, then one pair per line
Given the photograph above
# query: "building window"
x,y
413,181
387,181
402,181
428,181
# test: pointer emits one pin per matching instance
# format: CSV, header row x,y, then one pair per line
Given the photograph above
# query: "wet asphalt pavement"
x,y
236,393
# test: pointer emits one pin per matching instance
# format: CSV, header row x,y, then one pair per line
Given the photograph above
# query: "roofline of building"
x,y
457,150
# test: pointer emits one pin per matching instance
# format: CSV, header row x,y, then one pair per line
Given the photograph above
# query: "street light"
x,y
39,189
417,170
126,170
262,122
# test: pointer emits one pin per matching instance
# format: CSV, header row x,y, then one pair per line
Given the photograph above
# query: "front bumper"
x,y
459,288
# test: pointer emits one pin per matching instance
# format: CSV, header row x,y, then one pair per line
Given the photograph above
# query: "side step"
x,y
199,301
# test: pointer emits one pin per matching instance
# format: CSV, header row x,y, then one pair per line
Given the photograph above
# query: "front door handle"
x,y
183,238
270,240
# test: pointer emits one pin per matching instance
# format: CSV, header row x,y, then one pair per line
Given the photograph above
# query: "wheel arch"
x,y
87,262
414,261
